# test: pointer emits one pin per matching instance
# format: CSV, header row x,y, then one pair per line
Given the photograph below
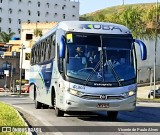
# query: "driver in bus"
x,y
79,52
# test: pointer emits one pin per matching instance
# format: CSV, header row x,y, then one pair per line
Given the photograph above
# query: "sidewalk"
x,y
142,92
7,93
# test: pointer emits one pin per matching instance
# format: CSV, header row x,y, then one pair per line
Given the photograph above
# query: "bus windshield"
x,y
100,58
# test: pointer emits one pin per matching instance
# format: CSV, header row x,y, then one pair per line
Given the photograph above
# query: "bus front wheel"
x,y
112,115
58,112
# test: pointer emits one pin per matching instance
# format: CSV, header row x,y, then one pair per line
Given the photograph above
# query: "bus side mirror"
x,y
62,47
143,49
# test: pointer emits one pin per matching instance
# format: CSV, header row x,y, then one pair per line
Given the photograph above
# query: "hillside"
x,y
141,19
117,9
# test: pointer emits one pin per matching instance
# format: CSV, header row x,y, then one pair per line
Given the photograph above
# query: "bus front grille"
x,y
102,97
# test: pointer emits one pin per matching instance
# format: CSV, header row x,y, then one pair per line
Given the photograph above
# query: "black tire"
x,y
58,112
38,105
112,115
45,106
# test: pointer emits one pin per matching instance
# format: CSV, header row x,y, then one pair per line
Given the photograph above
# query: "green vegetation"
x,y
141,19
4,37
9,117
38,32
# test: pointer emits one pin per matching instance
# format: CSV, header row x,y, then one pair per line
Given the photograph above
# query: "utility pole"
x,y
11,78
123,2
20,74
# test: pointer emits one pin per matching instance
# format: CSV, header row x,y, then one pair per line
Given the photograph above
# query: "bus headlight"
x,y
128,94
75,92
131,93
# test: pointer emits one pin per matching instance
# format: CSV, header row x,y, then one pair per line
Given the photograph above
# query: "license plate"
x,y
103,105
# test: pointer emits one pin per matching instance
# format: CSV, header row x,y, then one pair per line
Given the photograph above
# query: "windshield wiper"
x,y
114,72
91,74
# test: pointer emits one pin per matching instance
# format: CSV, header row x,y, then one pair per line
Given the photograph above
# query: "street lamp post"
x,y
122,2
150,76
155,51
20,74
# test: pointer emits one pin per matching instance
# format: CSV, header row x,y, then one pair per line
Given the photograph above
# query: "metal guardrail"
x,y
147,84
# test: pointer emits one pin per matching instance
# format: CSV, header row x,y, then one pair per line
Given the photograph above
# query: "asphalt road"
x,y
146,114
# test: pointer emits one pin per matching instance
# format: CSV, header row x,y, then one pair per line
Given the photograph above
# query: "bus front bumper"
x,y
74,103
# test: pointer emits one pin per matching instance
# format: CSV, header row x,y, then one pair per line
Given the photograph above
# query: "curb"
x,y
148,101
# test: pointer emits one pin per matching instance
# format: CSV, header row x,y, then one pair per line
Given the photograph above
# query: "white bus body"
x,y
69,83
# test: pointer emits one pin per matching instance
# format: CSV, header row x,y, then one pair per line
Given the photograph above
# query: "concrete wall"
x,y
144,65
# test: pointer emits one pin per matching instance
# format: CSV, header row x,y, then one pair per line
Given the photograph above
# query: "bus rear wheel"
x,y
112,115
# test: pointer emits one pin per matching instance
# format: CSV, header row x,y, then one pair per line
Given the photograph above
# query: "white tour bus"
x,y
85,66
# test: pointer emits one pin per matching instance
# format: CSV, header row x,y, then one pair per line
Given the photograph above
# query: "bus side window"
x,y
53,43
44,51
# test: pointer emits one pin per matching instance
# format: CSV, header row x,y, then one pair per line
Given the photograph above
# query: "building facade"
x,y
28,38
15,12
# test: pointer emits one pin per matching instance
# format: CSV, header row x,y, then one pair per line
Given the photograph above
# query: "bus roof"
x,y
88,27
93,27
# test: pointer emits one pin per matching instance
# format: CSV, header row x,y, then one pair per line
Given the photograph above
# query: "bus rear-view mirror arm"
x,y
143,49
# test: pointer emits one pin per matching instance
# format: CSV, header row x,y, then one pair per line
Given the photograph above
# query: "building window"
x,y
29,2
73,15
0,19
55,14
73,6
47,5
63,6
0,9
47,13
1,1
19,21
19,31
29,12
10,11
19,1
37,21
19,11
38,12
64,16
29,36
29,21
9,19
9,30
56,5
0,29
39,4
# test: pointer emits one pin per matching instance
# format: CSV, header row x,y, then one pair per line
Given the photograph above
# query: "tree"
x,y
37,32
4,37
132,17
99,18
